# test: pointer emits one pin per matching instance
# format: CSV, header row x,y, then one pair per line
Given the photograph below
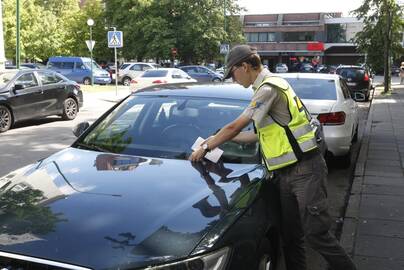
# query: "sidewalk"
x,y
373,231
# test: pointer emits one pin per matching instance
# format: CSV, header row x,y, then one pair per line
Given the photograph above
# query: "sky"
x,y
299,6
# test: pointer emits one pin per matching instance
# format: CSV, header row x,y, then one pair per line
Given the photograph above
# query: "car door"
x,y
135,70
53,92
26,96
350,106
204,74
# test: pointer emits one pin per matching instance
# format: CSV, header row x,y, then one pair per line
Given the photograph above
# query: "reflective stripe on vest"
x,y
277,150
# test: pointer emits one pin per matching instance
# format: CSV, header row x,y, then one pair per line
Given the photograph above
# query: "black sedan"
x,y
27,94
125,196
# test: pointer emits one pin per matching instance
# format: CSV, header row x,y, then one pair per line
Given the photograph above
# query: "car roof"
x,y
350,66
139,63
321,76
205,90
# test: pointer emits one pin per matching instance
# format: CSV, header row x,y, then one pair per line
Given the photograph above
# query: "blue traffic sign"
x,y
115,39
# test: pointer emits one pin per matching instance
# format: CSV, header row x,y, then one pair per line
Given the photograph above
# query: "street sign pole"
x,y
91,56
116,73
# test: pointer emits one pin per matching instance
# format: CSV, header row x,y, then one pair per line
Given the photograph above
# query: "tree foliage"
x,y
382,33
151,28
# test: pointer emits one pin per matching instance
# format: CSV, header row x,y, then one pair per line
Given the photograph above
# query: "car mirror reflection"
x,y
80,128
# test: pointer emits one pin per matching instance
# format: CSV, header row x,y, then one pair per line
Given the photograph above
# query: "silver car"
x,y
130,70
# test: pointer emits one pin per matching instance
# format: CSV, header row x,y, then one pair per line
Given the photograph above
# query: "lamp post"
x,y
116,65
90,23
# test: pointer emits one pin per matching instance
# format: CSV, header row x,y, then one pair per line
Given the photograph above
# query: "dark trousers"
x,y
305,218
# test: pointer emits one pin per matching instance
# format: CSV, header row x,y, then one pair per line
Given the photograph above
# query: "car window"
x,y
191,70
176,75
27,80
167,127
146,67
345,89
67,65
123,66
311,88
136,67
6,77
49,78
183,74
55,64
202,70
154,73
351,73
80,65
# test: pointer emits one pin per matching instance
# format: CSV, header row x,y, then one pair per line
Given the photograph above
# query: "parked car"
x,y
328,99
202,74
281,68
129,71
358,80
306,68
28,94
124,195
395,70
78,69
159,76
33,65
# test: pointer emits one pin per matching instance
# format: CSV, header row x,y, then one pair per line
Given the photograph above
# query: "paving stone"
x,y
382,207
383,190
382,162
372,263
379,246
384,171
352,210
385,156
379,227
377,180
390,154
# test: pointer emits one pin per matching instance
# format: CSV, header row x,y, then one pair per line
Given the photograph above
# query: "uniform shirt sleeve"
x,y
261,102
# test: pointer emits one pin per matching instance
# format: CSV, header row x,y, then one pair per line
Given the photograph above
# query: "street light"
x,y
90,23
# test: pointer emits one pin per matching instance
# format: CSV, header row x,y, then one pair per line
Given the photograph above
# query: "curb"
x,y
351,219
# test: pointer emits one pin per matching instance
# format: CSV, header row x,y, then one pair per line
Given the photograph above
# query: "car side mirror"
x,y
80,128
18,87
359,96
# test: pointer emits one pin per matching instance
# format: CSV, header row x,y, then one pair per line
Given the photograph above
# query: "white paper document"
x,y
213,155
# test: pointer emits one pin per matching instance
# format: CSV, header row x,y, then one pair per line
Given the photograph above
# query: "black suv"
x,y
358,79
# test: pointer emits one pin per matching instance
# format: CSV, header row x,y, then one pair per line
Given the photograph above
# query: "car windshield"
x,y
154,73
167,127
312,88
351,73
123,66
6,77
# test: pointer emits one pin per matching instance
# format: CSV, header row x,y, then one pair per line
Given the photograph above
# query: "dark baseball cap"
x,y
236,55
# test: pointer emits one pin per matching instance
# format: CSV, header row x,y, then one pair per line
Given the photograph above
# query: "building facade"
x,y
317,38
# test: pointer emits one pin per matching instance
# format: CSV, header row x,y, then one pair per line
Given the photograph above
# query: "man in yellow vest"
x,y
289,149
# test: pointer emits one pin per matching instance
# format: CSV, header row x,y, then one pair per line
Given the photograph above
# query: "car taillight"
x,y
366,78
336,118
159,81
133,81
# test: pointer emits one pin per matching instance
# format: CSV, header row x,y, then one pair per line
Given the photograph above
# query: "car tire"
x,y
216,80
70,109
6,118
87,81
126,81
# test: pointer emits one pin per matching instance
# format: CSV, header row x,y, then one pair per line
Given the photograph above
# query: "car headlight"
x,y
212,261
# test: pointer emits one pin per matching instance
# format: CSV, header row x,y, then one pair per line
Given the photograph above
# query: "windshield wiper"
x,y
92,147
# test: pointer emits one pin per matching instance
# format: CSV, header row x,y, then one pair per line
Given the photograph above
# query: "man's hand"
x,y
198,154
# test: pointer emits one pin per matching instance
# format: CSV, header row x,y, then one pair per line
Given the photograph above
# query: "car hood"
x,y
315,107
101,210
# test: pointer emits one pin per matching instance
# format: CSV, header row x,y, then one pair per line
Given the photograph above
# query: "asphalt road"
x,y
36,139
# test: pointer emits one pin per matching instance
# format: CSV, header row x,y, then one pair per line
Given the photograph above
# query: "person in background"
x,y
402,73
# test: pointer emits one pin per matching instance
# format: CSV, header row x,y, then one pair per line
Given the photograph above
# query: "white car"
x,y
327,98
129,71
281,68
159,76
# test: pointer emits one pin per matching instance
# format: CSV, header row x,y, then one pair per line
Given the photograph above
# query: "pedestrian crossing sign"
x,y
115,39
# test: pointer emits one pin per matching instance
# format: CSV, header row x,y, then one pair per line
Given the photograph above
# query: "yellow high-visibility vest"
x,y
283,145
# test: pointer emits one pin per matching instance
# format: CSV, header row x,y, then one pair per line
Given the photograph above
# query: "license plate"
x,y
351,83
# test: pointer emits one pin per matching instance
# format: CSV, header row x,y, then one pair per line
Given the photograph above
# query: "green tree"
x,y
152,27
381,35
